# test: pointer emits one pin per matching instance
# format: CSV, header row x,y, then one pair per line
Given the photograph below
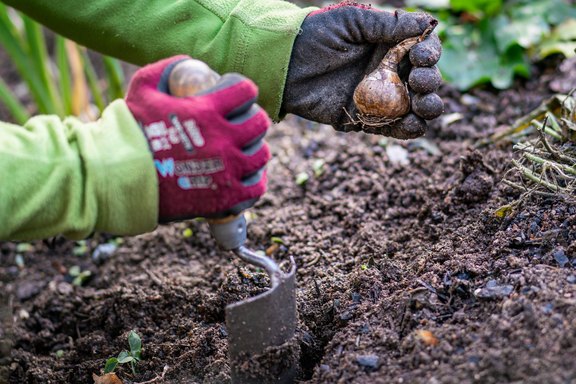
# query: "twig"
x,y
552,151
154,278
161,377
313,261
550,131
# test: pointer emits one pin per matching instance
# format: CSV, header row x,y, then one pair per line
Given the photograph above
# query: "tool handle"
x,y
187,78
190,77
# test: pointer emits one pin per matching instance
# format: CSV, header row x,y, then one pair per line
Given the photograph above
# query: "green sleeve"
x,y
252,37
73,178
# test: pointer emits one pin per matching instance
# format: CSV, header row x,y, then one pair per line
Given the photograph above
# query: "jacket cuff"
x,y
123,172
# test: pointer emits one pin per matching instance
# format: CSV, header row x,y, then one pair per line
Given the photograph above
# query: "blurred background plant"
x,y
492,41
56,75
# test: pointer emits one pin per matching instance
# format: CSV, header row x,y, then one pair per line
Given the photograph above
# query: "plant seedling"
x,y
131,357
79,275
302,178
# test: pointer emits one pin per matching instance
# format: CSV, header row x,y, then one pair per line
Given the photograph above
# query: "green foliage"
x,y
276,240
491,41
302,178
80,276
488,7
131,357
64,82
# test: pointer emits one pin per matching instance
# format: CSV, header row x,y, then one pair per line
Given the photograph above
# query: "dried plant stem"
x,y
549,131
533,177
537,159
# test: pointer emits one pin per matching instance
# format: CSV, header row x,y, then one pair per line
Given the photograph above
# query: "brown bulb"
x,y
382,93
382,97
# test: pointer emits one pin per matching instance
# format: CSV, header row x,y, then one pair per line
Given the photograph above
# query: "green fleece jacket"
x,y
66,177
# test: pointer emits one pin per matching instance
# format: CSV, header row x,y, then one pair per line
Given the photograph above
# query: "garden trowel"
x,y
260,328
260,324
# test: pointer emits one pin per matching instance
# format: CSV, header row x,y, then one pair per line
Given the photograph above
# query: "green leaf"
x,y
302,178
557,11
92,79
429,4
80,249
478,60
110,365
124,357
38,53
277,240
17,48
561,40
24,247
74,270
135,342
318,167
488,7
566,30
114,77
14,106
64,73
187,233
19,260
511,63
503,211
525,30
81,278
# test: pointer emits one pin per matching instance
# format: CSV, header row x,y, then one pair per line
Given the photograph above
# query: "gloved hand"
x,y
338,46
208,149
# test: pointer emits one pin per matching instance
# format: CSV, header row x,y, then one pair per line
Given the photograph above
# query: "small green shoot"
x,y
187,233
80,276
80,249
24,247
503,211
383,142
302,178
318,166
19,260
277,240
131,357
59,354
364,267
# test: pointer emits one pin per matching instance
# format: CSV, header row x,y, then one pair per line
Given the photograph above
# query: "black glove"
x,y
339,45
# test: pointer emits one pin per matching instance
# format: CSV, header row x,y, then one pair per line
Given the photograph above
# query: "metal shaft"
x,y
261,261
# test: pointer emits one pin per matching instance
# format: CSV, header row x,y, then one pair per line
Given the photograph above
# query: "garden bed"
x,y
405,274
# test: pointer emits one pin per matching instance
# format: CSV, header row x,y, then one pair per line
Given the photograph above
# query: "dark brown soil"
x,y
405,275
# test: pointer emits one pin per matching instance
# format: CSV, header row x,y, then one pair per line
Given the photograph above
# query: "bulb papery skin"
x,y
382,94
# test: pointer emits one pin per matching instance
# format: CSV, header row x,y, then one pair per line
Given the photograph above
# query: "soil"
x,y
405,274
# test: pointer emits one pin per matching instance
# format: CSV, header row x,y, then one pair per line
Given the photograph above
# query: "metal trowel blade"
x,y
258,323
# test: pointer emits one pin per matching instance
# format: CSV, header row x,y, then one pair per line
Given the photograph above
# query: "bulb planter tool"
x,y
260,328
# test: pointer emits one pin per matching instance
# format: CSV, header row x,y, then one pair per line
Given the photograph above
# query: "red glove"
x,y
208,149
